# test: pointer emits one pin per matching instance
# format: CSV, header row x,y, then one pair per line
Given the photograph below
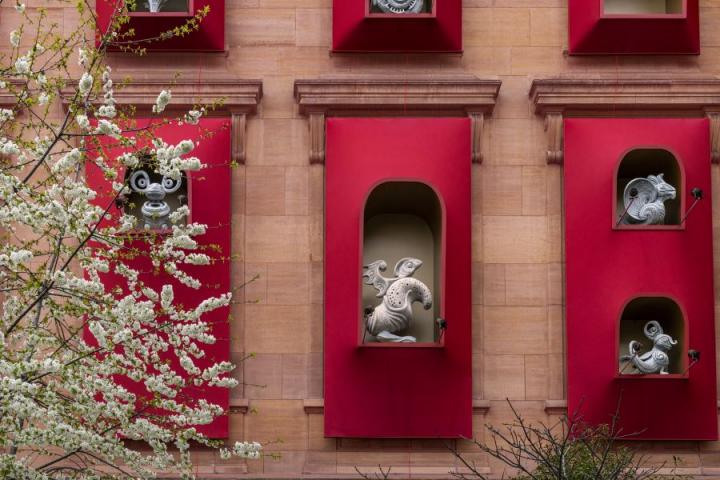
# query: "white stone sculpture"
x,y
399,6
398,294
155,6
155,209
657,359
644,199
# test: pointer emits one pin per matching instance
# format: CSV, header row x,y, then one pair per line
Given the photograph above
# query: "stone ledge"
x,y
314,405
480,406
556,407
239,405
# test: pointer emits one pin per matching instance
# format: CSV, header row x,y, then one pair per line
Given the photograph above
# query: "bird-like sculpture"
x,y
645,198
398,294
656,360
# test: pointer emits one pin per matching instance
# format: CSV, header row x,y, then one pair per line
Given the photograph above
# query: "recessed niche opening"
x,y
402,270
649,188
400,7
161,6
154,197
643,7
657,324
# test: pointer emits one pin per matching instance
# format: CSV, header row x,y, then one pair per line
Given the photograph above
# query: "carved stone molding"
x,y
239,406
557,98
480,407
237,99
390,96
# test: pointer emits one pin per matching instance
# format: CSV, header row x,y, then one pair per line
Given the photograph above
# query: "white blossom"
x,y
6,114
15,38
106,111
82,121
83,58
86,83
20,7
162,100
22,65
44,98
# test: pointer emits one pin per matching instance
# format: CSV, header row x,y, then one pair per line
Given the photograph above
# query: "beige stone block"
x,y
277,101
556,285
281,422
237,327
494,284
536,60
263,376
478,375
265,191
285,462
477,27
314,27
315,375
294,376
509,146
556,376
317,327
369,463
317,237
238,359
277,239
476,172
504,377
554,196
536,377
321,463
237,190
277,329
513,239
534,189
510,27
487,60
288,283
477,327
515,330
294,3
548,27
317,439
265,27
556,238
297,195
254,142
256,278
512,101
317,282
285,142
477,283
526,284
477,238
316,187
502,190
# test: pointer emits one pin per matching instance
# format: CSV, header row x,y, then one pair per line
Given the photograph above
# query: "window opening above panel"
x,y
402,252
400,8
643,7
652,337
648,189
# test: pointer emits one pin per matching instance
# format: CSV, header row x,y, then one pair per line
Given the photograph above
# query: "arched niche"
x,y
636,315
405,219
637,166
643,7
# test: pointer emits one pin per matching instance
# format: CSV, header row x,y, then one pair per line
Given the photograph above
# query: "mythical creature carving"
x,y
399,6
644,200
657,359
155,210
398,294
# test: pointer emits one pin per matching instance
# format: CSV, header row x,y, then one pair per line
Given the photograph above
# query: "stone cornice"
x,y
237,96
237,99
600,96
462,95
557,98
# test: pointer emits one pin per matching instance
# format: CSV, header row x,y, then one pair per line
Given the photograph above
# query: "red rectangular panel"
x,y
209,201
209,36
594,31
607,267
396,391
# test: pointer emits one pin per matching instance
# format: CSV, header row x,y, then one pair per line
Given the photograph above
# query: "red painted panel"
x,y
391,391
354,32
210,36
209,200
608,267
591,32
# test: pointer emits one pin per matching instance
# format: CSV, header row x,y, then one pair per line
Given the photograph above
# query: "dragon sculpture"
x,y
398,294
155,210
657,359
644,200
399,6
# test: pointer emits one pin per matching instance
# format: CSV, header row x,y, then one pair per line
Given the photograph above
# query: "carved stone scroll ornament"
x,y
399,6
657,359
398,294
155,210
644,200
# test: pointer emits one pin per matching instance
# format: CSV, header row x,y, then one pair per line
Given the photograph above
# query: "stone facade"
x,y
517,250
